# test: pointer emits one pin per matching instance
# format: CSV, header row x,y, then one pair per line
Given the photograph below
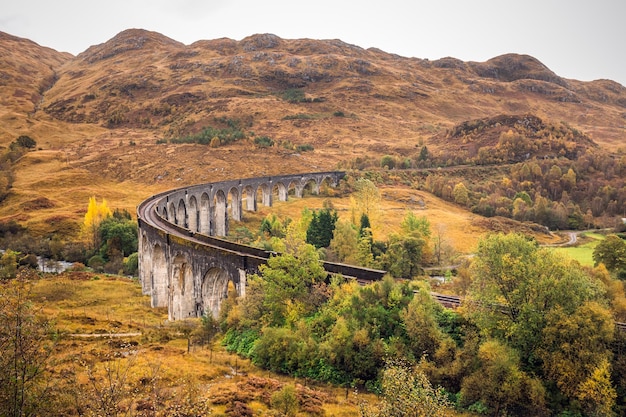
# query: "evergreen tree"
x,y
321,228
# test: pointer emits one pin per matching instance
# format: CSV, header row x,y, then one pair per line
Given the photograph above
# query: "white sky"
x,y
577,39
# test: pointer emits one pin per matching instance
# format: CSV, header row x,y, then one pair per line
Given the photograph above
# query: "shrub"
x,y
131,264
304,148
287,144
293,95
263,141
26,142
285,401
388,162
96,263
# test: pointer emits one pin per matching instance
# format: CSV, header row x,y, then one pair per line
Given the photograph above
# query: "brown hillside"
x,y
97,117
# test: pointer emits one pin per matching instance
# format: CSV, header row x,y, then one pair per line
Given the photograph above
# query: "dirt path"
x,y
103,335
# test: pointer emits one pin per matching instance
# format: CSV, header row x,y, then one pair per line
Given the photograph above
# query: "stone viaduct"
x,y
185,265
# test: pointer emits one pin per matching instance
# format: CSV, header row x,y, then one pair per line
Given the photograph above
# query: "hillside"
x,y
105,120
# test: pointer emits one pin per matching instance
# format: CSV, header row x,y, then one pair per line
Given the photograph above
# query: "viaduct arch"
x,y
185,265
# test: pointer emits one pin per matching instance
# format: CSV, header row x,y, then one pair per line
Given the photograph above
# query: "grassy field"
x,y
583,252
100,318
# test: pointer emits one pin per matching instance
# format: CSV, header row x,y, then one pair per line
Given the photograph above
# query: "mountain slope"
x,y
105,115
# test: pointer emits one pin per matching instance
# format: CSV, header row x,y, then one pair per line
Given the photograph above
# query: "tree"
x,y
500,385
574,345
118,234
365,200
96,213
461,194
596,393
364,224
406,393
271,226
321,228
404,254
544,306
285,401
344,242
611,252
364,255
406,251
423,153
515,284
8,264
422,329
284,282
411,223
388,162
26,343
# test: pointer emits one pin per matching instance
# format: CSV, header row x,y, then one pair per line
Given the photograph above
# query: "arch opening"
x,y
204,217
249,195
192,215
181,214
182,303
234,202
158,277
221,214
214,289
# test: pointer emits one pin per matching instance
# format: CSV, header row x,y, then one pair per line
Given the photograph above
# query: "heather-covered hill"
x,y
151,113
144,80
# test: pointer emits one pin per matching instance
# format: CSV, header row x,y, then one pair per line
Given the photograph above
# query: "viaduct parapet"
x,y
185,265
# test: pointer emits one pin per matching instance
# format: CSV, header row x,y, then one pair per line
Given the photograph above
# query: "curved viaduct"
x,y
185,266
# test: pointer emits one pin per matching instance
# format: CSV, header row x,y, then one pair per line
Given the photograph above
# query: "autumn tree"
x,y
26,142
403,258
611,252
285,282
96,213
420,320
285,401
365,200
407,392
545,307
461,194
407,251
344,242
26,343
575,353
500,385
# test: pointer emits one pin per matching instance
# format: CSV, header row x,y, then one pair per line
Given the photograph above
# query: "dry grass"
x,y
457,227
92,304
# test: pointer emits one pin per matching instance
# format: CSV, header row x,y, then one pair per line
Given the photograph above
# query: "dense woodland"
x,y
520,168
535,334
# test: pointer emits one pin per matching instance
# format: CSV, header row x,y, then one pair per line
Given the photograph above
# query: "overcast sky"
x,y
577,39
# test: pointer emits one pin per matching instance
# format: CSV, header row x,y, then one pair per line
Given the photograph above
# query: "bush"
x,y
286,401
388,162
304,148
209,134
263,141
131,264
293,95
96,263
26,142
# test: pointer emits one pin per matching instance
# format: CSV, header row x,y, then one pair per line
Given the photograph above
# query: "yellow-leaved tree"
x,y
96,213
